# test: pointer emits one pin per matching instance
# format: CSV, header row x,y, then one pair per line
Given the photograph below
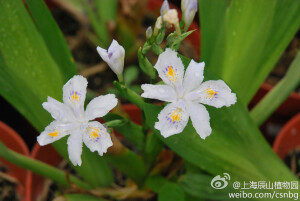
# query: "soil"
x,y
293,161
8,186
66,22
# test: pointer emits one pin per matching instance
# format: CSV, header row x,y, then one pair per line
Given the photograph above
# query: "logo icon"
x,y
219,182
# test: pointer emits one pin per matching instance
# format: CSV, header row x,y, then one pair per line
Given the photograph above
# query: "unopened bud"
x,y
149,32
158,25
164,8
189,9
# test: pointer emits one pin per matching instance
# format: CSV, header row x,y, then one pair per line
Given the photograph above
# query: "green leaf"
x,y
171,191
81,197
212,18
156,182
152,148
106,10
27,68
174,41
278,94
40,168
131,74
99,28
53,38
198,185
130,164
29,75
234,45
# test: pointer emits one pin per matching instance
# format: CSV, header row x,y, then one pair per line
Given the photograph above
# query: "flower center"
x,y
176,115
210,93
75,96
94,132
53,134
171,73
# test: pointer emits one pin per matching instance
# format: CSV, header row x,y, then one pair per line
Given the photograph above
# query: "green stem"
x,y
278,94
130,95
120,78
40,168
116,123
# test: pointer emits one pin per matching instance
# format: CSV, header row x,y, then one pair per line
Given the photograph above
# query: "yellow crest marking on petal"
x,y
210,93
176,115
171,73
74,97
94,132
53,134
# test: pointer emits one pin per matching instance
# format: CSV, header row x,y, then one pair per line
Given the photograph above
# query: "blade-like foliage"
x,y
171,191
198,185
29,75
29,71
53,38
242,40
278,94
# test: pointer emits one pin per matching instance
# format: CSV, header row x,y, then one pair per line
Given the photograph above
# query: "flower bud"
x,y
171,17
189,9
164,8
149,32
157,26
114,57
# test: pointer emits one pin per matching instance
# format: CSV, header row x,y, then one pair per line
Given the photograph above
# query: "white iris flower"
x,y
70,118
114,57
187,93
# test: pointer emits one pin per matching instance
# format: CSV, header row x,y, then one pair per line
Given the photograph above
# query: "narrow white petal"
x,y
58,110
114,46
214,93
193,76
170,68
172,119
74,92
103,53
100,106
53,132
97,138
200,119
159,92
75,147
